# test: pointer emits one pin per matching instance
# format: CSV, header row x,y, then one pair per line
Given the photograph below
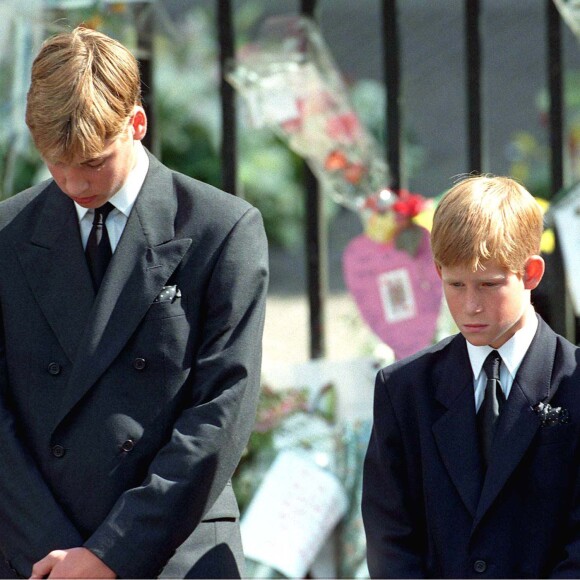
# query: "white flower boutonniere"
x,y
550,416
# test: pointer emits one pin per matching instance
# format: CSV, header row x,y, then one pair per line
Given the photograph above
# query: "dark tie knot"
x,y
101,213
492,364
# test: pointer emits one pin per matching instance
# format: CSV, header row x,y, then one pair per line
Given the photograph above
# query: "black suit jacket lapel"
x,y
145,258
455,431
518,422
54,265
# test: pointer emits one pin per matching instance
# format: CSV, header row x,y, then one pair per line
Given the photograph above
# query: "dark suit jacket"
x,y
428,508
122,419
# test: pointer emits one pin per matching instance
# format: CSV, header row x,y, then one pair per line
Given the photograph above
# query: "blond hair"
x,y
486,218
84,87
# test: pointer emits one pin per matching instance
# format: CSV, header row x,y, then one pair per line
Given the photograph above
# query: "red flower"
x,y
409,204
335,160
354,172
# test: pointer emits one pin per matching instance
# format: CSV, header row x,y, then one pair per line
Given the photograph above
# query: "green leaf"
x,y
408,239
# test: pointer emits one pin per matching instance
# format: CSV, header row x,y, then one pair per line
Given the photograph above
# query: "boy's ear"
x,y
139,123
438,270
533,272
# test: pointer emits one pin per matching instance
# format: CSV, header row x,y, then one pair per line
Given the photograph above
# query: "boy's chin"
x,y
477,340
485,341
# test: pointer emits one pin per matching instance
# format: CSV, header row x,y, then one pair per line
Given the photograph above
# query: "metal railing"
x,y
315,243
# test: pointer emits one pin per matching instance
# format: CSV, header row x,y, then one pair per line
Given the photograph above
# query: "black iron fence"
x,y
315,245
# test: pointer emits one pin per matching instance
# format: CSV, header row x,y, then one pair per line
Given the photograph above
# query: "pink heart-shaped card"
x,y
398,295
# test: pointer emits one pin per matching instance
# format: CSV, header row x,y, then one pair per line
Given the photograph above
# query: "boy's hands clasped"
x,y
71,563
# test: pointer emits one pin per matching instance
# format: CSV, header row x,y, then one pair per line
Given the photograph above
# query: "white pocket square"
x,y
168,294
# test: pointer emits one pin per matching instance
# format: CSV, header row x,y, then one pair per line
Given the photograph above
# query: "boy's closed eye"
x,y
95,163
481,284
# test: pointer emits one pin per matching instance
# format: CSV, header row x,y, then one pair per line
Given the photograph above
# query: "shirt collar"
x,y
512,352
125,198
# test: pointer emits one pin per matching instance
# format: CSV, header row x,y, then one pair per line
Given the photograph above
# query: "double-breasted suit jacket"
x,y
430,510
123,415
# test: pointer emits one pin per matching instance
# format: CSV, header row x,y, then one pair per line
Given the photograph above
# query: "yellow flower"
x,y
381,227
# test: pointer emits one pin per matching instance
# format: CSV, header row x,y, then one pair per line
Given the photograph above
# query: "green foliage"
x,y
18,169
188,121
271,178
188,148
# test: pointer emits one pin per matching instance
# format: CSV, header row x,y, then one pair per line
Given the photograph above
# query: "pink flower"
x,y
294,125
344,128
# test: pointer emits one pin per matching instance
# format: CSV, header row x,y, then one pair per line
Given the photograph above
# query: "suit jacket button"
x,y
139,364
128,445
58,451
54,368
480,566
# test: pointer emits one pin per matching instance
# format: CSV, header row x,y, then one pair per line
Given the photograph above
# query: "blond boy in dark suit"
x,y
473,468
129,370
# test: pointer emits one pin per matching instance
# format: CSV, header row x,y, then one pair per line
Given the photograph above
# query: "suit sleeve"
x,y
569,565
32,523
148,523
392,525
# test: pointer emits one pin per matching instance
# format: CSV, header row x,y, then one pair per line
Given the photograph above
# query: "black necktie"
x,y
491,406
98,250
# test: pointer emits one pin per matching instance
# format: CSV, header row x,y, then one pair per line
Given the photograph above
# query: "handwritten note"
x,y
292,514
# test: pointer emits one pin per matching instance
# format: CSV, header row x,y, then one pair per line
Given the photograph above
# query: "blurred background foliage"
x,y
527,155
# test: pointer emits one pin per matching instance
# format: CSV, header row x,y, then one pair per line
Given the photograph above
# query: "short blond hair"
x,y
84,87
486,218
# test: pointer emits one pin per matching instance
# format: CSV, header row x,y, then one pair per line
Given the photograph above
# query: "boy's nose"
x,y
75,184
473,303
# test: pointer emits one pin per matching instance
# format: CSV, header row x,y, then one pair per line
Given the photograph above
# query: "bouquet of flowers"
x,y
290,84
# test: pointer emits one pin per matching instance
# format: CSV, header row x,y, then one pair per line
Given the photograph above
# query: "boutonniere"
x,y
550,416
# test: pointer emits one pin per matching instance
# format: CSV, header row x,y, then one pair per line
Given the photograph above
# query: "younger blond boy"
x,y
473,465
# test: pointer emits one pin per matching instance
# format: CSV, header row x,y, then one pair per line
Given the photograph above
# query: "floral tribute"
x,y
298,419
290,84
274,408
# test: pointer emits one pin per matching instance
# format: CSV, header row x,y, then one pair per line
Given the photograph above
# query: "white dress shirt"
x,y
123,202
512,353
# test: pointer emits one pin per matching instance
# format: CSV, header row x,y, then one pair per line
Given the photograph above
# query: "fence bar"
x,y
562,317
392,82
555,83
316,249
145,31
473,77
228,101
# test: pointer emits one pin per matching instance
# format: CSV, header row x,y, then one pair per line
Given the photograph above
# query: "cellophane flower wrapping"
x,y
290,83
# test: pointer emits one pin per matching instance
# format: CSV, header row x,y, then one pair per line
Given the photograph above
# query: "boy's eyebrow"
x,y
490,276
97,159
481,277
